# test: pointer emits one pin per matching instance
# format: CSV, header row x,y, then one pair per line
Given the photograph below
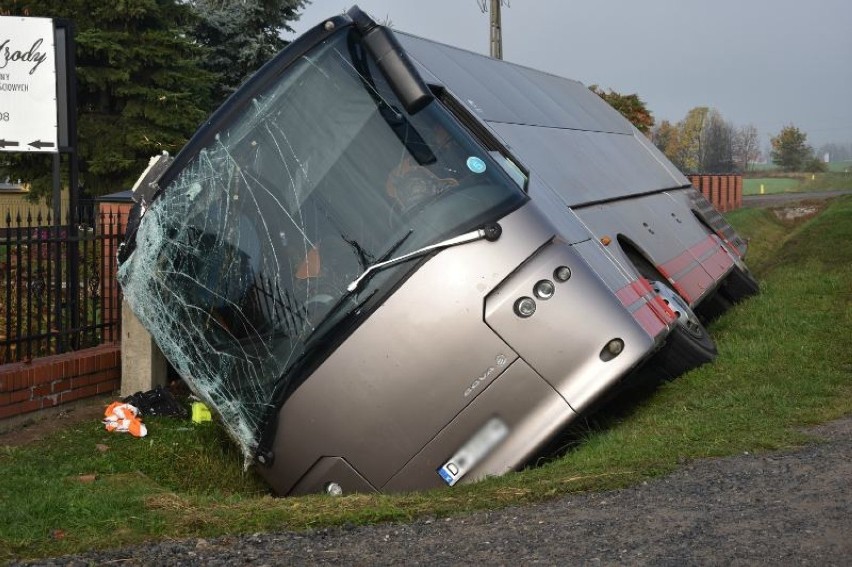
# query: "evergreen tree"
x,y
790,149
240,35
140,89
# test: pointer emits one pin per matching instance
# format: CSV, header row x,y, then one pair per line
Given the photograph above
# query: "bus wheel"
x,y
739,285
689,345
713,307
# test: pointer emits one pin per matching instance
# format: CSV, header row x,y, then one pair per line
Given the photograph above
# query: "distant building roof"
x,y
119,197
12,188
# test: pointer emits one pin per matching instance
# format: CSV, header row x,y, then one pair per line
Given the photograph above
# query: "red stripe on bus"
x,y
718,264
703,274
733,248
627,295
677,264
653,315
663,311
703,247
648,319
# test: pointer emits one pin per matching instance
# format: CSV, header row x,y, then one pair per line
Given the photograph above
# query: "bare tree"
x,y
717,144
746,147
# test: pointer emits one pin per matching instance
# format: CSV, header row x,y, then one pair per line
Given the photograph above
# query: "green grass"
x,y
779,368
751,186
840,166
827,181
797,183
765,234
755,167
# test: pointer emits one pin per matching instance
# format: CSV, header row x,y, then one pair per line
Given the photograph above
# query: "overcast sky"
x,y
765,62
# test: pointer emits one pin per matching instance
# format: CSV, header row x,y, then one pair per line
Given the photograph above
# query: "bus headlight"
x,y
544,289
525,307
562,273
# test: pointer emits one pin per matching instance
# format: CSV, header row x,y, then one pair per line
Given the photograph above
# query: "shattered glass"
x,y
241,264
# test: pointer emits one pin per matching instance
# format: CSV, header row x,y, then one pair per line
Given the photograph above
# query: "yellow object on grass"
x,y
200,412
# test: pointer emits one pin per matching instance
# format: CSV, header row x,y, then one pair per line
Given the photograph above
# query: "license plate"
x,y
472,452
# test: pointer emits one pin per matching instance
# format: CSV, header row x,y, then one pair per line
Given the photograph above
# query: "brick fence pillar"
x,y
714,191
738,192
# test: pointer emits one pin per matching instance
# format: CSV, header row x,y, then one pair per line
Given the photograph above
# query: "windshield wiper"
x,y
347,297
489,232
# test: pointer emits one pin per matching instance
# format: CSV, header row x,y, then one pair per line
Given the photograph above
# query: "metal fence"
x,y
58,282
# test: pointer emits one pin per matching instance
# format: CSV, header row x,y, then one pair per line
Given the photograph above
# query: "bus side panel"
x,y
665,230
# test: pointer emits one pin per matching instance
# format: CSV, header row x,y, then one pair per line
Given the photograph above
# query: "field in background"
x,y
841,166
797,182
779,368
751,186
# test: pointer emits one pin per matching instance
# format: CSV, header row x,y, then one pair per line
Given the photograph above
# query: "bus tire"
x,y
678,355
688,346
682,352
739,285
713,307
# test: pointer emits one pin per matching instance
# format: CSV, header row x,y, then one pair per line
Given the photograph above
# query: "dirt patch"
x,y
798,212
36,426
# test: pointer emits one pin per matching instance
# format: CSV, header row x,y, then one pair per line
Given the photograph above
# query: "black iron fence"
x,y
58,282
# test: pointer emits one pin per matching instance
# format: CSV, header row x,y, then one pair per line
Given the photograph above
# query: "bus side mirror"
x,y
397,68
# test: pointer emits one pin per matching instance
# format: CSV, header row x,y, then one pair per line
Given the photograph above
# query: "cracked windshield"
x,y
242,263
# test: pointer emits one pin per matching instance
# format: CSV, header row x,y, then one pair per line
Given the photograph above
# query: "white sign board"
x,y
28,120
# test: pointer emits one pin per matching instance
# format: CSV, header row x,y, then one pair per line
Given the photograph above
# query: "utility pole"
x,y
496,29
496,32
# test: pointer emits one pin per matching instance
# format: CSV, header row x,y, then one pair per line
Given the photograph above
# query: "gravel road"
x,y
790,508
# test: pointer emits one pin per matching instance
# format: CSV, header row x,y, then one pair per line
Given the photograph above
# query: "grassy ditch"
x,y
779,369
